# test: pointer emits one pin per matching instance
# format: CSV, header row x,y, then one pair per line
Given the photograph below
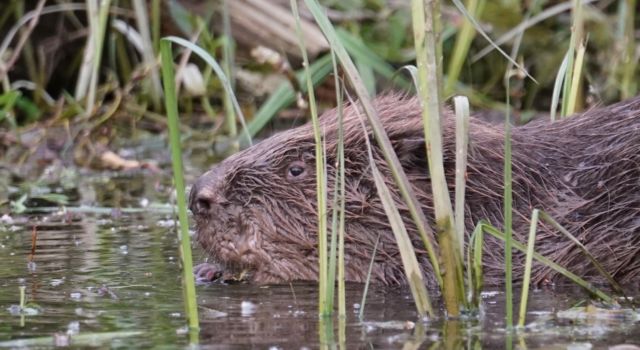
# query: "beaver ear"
x,y
308,156
410,151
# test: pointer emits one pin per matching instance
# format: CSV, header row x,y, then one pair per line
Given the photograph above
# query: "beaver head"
x,y
256,211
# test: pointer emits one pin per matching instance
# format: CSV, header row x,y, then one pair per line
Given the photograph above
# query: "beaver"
x,y
256,210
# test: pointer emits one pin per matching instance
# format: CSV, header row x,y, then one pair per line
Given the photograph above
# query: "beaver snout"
x,y
199,202
206,194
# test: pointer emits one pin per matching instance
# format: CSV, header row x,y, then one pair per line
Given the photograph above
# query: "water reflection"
x,y
120,273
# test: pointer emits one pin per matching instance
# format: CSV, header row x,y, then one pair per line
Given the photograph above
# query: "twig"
x,y
5,67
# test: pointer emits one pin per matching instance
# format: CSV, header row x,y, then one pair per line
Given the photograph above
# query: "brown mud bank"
x,y
256,211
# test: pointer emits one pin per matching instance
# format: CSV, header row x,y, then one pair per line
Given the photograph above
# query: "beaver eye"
x,y
297,170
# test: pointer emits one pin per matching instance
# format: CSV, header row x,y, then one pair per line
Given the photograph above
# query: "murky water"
x,y
112,279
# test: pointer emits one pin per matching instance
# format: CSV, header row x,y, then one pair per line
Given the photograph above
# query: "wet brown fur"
x,y
584,171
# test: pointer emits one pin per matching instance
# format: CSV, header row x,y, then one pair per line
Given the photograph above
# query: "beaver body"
x,y
256,210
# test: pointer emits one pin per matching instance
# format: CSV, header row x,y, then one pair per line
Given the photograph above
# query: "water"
x,y
112,279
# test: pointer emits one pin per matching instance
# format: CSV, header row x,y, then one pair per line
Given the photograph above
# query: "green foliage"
x,y
377,34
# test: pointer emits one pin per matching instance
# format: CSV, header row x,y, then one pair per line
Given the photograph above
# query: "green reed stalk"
x,y
461,47
383,142
629,77
342,333
405,247
474,267
461,104
558,87
333,247
171,105
156,12
227,65
321,187
326,333
148,55
365,290
88,79
576,38
412,269
527,267
575,79
342,303
508,194
508,212
426,32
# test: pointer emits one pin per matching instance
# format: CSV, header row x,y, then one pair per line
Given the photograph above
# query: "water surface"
x,y
115,273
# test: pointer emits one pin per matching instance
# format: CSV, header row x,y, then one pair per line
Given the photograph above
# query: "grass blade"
x,y
575,80
462,141
219,72
366,284
405,247
526,24
479,29
149,57
615,285
557,86
426,38
461,47
576,37
391,158
325,305
629,81
549,263
527,267
228,60
474,267
171,105
342,304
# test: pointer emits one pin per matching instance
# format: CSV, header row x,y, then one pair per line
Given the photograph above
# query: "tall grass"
x,y
508,213
228,52
461,104
171,105
527,267
426,32
168,77
572,77
627,14
339,202
325,288
148,53
464,37
87,83
416,281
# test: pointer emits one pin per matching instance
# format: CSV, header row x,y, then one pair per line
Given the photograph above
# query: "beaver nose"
x,y
205,194
200,200
198,203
